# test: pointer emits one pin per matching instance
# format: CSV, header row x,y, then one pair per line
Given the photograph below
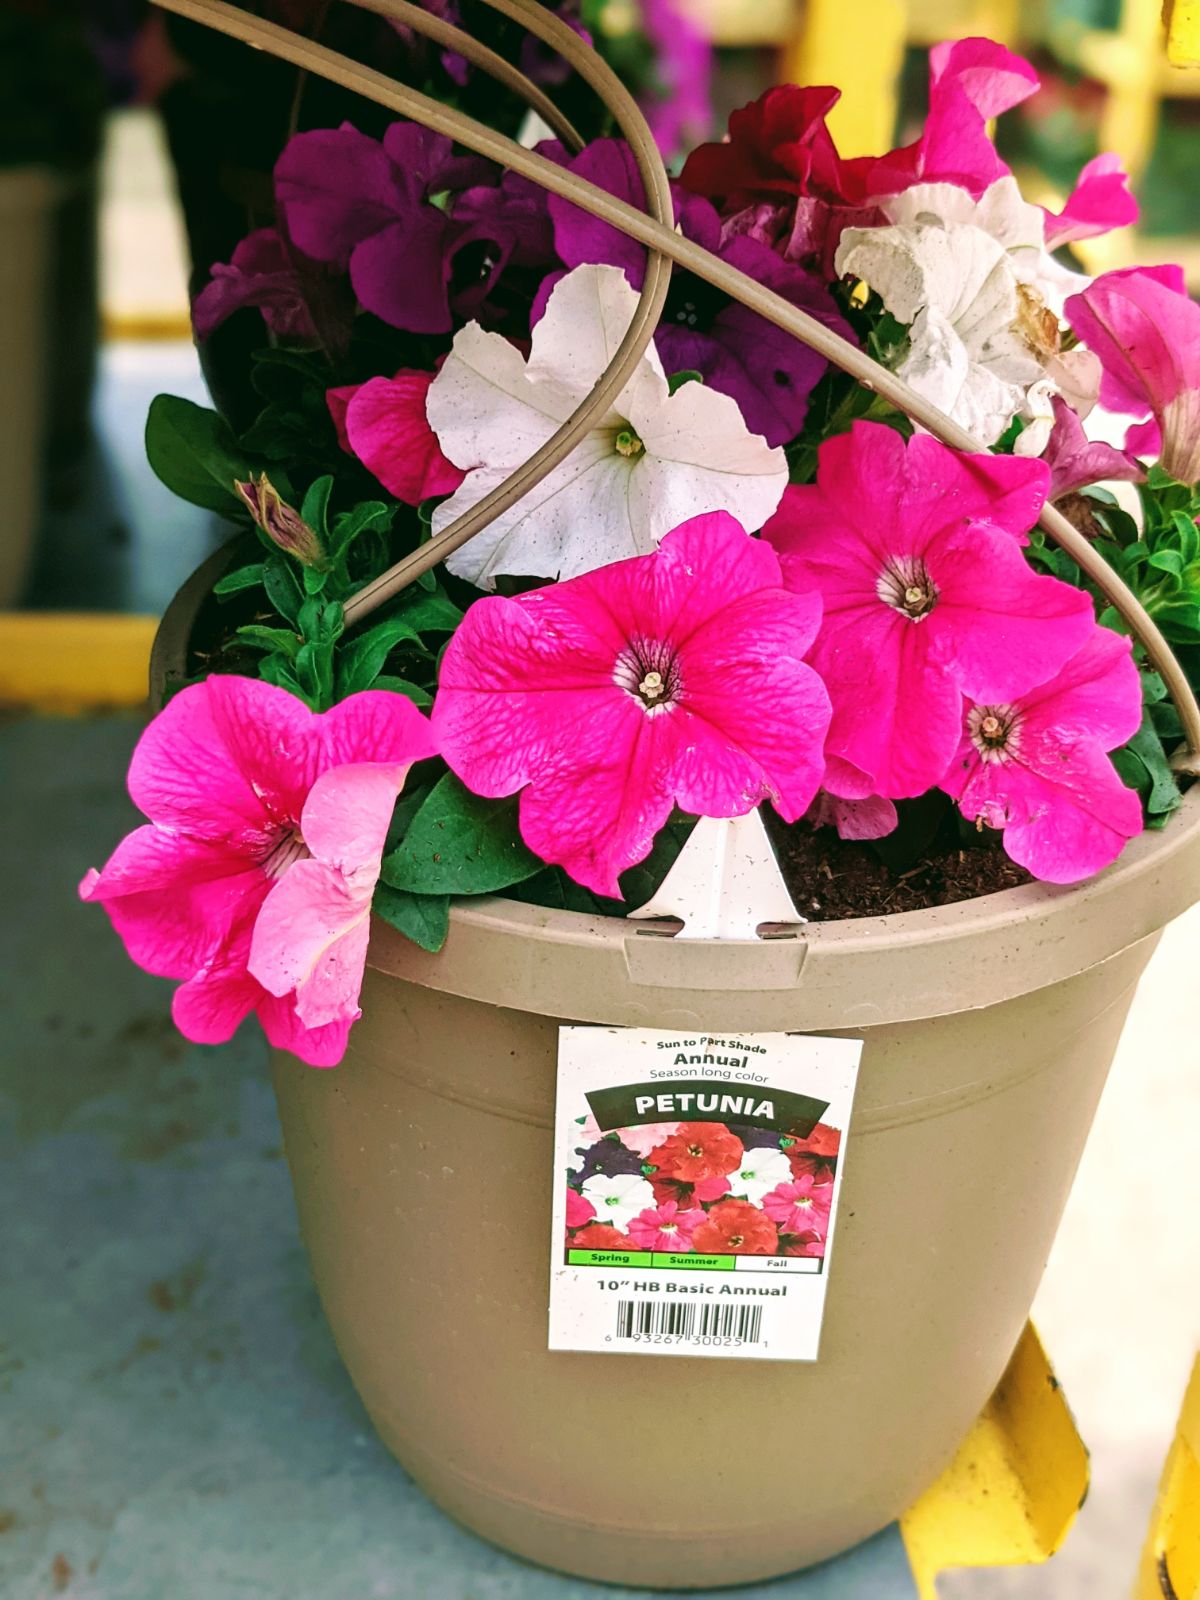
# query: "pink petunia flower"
x,y
665,1227
1075,461
1038,766
643,1138
252,881
383,423
1146,332
675,678
579,1210
849,804
916,552
802,1206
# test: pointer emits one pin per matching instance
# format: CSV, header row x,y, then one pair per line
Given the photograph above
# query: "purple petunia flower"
x,y
425,234
768,372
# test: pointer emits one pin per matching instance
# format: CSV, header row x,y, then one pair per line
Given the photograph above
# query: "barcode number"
x,y
684,1319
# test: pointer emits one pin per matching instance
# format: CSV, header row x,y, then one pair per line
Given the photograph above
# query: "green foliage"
x,y
423,918
552,887
194,452
460,843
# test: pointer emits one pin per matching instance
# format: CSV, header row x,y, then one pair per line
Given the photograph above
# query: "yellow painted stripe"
x,y
1012,1492
69,662
146,327
1171,1559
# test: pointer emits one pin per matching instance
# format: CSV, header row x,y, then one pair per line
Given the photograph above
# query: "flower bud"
x,y
281,523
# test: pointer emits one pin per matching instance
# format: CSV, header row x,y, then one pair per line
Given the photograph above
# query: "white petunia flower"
x,y
618,1200
1002,212
976,335
762,1170
654,461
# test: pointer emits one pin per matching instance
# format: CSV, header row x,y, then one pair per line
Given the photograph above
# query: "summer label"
x,y
696,1188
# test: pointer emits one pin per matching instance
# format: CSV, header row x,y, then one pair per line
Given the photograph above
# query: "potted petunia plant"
x,y
555,574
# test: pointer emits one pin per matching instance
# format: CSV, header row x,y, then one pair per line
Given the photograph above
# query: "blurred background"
x,y
135,150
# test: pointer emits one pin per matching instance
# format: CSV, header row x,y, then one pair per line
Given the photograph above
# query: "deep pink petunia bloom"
x,y
1075,461
800,1207
970,81
1038,766
252,881
260,273
665,1227
1100,201
916,551
383,423
675,678
1146,332
579,1210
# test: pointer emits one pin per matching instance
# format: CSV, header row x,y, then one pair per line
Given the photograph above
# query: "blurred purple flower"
x,y
261,273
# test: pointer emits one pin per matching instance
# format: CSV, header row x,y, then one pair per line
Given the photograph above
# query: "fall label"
x,y
696,1188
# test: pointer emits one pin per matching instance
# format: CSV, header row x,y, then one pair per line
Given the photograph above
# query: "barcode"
x,y
684,1319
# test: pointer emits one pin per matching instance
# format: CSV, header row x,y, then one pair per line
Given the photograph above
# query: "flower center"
x,y
627,443
995,731
287,849
736,1238
669,1227
648,670
612,1200
695,1149
1037,324
906,586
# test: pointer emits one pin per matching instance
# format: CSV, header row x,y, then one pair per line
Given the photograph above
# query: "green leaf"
x,y
316,506
270,639
460,843
361,660
411,691
423,918
193,451
678,379
367,515
243,578
283,590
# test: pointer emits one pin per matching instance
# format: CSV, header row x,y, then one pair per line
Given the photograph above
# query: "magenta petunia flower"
x,y
383,423
1100,201
252,881
675,678
579,1210
1037,766
916,552
261,273
801,1207
665,1227
970,81
1146,332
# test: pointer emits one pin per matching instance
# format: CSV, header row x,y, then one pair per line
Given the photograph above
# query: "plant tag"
x,y
696,1188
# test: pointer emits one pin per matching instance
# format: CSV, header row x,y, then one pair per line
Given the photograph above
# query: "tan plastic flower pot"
x,y
423,1173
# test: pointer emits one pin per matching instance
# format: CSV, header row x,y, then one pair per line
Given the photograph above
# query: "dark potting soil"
x,y
831,878
932,860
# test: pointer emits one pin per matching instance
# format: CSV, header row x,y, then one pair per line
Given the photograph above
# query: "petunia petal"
x,y
311,931
173,900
